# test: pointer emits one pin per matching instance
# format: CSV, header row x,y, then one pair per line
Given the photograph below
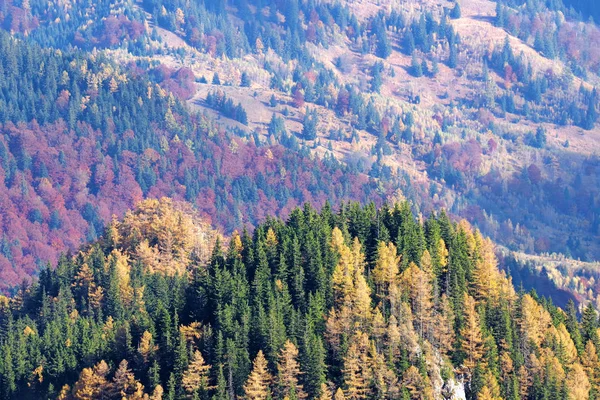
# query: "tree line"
x,y
358,303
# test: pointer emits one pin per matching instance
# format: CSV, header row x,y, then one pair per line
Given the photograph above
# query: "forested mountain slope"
x,y
101,137
359,303
247,108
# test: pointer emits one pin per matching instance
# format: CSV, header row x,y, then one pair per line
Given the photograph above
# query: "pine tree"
x,y
221,389
383,47
309,125
573,325
589,324
455,13
416,68
376,77
245,80
313,362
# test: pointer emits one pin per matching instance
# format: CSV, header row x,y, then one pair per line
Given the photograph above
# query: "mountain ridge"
x,y
486,109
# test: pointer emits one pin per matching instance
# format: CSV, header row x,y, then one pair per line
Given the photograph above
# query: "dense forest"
x,y
84,141
106,103
452,145
357,303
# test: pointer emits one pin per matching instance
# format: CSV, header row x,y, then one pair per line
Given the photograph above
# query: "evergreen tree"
x,y
455,12
309,125
245,80
376,77
416,68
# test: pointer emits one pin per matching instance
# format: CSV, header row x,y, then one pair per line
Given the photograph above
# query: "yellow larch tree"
x,y
486,394
392,338
92,382
384,381
124,384
356,371
490,387
534,321
524,381
485,272
121,263
191,332
472,341
325,393
416,284
559,340
378,327
350,288
288,373
442,253
339,395
577,383
409,339
443,331
591,364
196,375
257,386
415,384
174,233
342,279
386,270
146,346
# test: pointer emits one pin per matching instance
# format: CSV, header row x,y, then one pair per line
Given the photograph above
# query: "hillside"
x,y
495,84
245,109
353,303
101,137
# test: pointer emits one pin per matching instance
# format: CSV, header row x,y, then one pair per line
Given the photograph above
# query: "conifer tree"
x,y
414,383
195,378
288,373
591,365
443,331
356,374
339,395
589,324
386,271
325,393
577,383
92,382
257,386
472,341
416,284
124,384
